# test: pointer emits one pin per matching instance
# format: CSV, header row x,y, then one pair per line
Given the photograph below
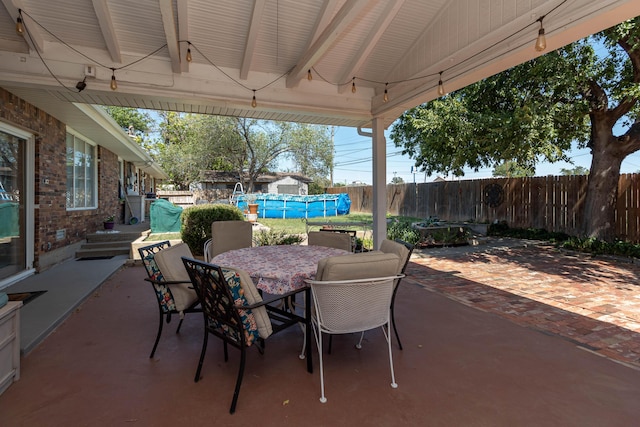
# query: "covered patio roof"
x,y
269,48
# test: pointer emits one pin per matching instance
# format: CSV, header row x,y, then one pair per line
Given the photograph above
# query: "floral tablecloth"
x,y
278,269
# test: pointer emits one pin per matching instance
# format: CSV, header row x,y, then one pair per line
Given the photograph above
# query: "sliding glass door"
x,y
13,165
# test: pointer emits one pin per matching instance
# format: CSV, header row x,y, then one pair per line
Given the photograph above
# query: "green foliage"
x,y
533,112
276,237
318,187
501,229
510,169
400,228
447,236
578,170
192,143
196,223
139,120
309,147
159,237
600,247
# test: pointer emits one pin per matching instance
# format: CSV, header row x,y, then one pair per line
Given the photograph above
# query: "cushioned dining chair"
x,y
227,236
171,285
404,251
352,293
330,240
235,312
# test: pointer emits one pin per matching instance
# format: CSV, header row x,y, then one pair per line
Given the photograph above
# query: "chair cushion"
x,y
230,235
330,240
163,293
256,321
169,262
357,266
391,247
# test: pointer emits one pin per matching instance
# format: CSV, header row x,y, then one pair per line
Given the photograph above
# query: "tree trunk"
x,y
599,217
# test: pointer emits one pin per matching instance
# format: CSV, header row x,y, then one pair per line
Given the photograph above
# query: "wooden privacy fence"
x,y
554,203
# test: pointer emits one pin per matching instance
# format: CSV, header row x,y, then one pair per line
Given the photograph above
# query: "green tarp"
x,y
9,224
165,217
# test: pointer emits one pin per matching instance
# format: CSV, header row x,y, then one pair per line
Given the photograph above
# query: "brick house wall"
x,y
50,181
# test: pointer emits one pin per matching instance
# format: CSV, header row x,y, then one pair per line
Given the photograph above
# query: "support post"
x,y
379,148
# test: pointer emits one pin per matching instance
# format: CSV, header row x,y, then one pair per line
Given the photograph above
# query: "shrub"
x,y
502,229
196,223
402,230
598,247
275,237
582,244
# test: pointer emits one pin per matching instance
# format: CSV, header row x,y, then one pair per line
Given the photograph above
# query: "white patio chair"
x,y
353,295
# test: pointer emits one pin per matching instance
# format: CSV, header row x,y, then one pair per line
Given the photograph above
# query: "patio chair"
x,y
353,294
331,240
173,290
404,251
227,236
235,312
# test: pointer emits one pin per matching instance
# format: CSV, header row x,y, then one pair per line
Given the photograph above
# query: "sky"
x,y
353,161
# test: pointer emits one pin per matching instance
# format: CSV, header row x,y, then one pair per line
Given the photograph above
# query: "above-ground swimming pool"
x,y
291,206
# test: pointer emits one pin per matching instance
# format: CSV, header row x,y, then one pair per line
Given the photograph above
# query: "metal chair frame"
x,y
146,254
410,247
347,306
222,319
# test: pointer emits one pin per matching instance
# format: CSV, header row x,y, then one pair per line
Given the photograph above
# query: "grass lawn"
x,y
292,226
158,237
298,225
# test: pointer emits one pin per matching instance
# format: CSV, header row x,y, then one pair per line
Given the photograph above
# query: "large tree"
x,y
192,143
138,123
266,143
511,169
187,144
533,112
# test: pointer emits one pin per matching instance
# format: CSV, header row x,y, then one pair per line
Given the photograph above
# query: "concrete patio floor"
x,y
502,335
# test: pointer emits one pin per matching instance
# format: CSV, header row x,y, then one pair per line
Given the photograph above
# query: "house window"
x,y
288,189
81,174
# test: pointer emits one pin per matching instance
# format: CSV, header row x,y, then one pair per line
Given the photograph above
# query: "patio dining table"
x,y
278,269
281,269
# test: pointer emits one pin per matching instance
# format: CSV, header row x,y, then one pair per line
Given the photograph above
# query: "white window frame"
x,y
87,141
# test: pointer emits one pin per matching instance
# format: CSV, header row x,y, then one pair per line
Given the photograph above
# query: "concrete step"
x,y
103,245
113,236
103,252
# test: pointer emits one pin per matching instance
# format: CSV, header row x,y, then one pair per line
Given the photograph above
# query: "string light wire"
x,y
286,73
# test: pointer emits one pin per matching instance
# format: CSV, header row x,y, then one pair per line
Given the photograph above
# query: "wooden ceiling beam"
x,y
105,21
252,37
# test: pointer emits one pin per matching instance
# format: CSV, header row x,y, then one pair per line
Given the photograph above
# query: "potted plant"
x,y
253,207
109,222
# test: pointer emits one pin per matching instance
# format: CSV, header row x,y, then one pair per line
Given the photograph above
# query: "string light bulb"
x,y
353,85
19,26
541,41
189,57
385,98
254,103
309,75
440,86
114,83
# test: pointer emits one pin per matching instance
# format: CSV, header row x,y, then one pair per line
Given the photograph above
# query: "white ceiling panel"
x,y
465,39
